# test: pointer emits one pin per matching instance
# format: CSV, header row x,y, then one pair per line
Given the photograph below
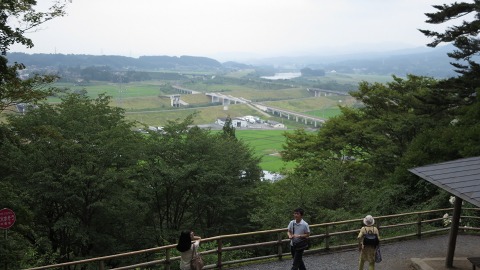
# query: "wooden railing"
x,y
274,244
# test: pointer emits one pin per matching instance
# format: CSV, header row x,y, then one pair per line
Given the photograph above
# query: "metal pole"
x,y
453,232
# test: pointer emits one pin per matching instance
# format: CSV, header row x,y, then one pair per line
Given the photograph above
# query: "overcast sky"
x,y
232,29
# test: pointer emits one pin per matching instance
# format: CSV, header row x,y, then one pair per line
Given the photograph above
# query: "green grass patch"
x,y
267,144
343,78
126,90
325,113
196,99
204,87
322,107
142,103
117,90
265,95
240,73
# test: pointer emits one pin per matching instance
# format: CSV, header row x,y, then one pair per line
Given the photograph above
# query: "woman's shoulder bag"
x,y
196,263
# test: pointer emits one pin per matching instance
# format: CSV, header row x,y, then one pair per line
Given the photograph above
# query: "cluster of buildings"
x,y
250,122
246,122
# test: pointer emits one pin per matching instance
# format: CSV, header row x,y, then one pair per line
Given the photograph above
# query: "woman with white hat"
x,y
368,240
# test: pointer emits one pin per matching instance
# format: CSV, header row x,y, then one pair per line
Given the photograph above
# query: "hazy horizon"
x,y
232,30
325,52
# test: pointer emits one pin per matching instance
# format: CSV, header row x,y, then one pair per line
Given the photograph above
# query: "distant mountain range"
x,y
116,62
424,61
420,61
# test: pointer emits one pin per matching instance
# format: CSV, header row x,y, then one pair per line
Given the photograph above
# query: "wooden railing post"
x,y
419,226
101,265
167,259
327,238
279,248
378,226
219,253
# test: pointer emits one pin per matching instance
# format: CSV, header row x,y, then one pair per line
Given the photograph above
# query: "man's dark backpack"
x,y
370,238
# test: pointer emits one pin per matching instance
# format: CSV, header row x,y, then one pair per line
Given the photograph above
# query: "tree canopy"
x,y
89,180
199,178
71,162
16,18
403,124
464,36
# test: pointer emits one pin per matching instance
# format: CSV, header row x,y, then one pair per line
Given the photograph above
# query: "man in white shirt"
x,y
298,230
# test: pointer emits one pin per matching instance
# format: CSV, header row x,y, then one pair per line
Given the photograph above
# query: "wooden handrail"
x,y
333,239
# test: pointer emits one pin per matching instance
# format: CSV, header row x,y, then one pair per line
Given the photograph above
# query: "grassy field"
x,y
342,78
267,144
196,99
255,95
116,90
240,73
144,102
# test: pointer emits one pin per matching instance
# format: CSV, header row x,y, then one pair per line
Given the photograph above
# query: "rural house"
x,y
236,122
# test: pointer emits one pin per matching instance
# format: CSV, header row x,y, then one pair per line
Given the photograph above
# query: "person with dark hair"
x,y
298,231
368,241
186,247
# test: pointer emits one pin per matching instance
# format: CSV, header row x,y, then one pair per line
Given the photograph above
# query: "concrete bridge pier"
x,y
175,101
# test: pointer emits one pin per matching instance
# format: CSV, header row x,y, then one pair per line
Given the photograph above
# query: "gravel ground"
x,y
396,256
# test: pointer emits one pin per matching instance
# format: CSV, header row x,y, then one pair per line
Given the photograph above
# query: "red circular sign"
x,y
7,218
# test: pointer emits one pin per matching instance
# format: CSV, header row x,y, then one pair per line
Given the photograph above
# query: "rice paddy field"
x,y
148,103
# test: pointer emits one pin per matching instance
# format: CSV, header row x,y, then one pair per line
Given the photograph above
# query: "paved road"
x,y
396,256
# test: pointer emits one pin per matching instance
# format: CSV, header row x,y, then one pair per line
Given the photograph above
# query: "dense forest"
x,y
84,183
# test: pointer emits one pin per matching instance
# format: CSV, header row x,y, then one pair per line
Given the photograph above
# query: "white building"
x,y
275,124
268,176
236,122
251,119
